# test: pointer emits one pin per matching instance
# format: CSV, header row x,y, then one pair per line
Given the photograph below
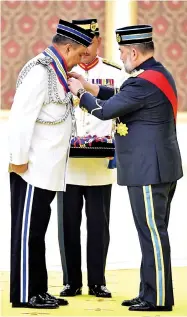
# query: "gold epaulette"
x,y
136,73
84,109
105,61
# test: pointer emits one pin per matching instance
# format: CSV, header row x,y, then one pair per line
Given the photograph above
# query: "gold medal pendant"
x,y
122,129
76,101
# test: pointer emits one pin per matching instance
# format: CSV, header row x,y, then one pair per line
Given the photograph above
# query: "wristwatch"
x,y
80,92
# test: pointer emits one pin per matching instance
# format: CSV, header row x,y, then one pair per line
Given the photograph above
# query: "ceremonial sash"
x,y
160,81
58,65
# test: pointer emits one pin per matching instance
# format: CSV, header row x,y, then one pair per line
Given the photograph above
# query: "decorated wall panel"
x,y
169,19
27,28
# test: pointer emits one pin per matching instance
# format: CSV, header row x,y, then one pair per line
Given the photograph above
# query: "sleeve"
x,y
105,92
130,98
26,107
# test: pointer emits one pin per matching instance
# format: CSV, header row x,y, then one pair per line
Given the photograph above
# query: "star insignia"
x,y
122,129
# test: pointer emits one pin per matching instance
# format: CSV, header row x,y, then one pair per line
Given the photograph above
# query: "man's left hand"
x,y
74,85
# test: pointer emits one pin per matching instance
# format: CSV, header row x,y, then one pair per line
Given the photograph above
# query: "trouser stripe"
x,y
24,274
157,247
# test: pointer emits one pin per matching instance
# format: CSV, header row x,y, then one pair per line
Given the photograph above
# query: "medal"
x,y
122,129
76,102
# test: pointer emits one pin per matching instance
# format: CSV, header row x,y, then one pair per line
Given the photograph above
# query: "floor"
x,y
122,283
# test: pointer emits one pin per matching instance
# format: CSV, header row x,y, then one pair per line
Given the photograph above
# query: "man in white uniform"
x,y
91,180
40,131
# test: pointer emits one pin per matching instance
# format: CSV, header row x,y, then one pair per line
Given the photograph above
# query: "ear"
x,y
134,53
99,41
68,47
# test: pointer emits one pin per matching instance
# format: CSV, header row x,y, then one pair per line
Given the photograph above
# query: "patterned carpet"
x,y
122,283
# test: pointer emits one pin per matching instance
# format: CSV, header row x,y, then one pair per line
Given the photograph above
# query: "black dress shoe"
x,y
99,291
60,301
69,290
130,302
38,301
145,306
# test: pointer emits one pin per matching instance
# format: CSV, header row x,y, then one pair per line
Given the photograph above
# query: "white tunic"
x,y
92,171
45,147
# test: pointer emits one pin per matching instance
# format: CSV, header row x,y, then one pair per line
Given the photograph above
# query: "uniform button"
x,y
87,132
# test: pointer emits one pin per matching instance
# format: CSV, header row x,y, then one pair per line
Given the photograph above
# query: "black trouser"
x,y
151,209
97,206
30,214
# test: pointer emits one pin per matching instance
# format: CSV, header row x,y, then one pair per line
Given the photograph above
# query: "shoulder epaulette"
x,y
45,61
105,61
136,73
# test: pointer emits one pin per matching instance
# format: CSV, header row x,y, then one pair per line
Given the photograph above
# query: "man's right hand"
x,y
18,169
92,88
79,77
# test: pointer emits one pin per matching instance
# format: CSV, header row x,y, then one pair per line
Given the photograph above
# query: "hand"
x,y
80,78
76,76
92,88
74,85
18,169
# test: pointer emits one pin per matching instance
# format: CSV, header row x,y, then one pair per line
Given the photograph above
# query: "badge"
x,y
93,26
122,129
118,37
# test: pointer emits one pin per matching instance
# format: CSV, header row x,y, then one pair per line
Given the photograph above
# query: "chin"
x,y
127,70
85,60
